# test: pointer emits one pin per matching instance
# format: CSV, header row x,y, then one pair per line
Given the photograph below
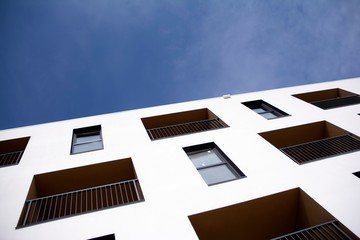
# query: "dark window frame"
x,y
84,132
268,108
225,161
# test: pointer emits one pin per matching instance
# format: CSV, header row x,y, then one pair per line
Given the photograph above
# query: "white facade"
x,y
172,187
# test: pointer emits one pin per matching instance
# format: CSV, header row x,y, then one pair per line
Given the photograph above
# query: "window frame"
x,y
225,161
268,108
83,132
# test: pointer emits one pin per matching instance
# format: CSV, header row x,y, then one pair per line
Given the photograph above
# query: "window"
x,y
86,139
12,150
213,165
313,141
330,98
106,237
181,123
291,212
265,109
80,190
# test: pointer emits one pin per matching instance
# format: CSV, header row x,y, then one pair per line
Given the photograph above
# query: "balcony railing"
x,y
328,147
337,102
324,231
57,206
11,158
185,128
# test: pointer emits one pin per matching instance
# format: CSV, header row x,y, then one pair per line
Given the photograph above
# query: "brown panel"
x,y
295,135
13,145
310,213
323,95
32,190
343,93
210,114
318,95
286,137
83,177
261,218
176,118
331,130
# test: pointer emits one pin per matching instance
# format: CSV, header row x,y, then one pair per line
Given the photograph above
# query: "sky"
x,y
70,58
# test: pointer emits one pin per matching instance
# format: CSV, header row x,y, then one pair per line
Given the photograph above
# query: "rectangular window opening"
x,y
86,139
265,109
212,164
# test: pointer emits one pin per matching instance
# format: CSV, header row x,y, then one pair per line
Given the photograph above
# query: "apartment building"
x,y
276,164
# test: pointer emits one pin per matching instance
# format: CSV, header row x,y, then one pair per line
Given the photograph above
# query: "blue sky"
x,y
67,59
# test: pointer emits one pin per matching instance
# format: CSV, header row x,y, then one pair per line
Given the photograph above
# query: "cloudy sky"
x,y
70,58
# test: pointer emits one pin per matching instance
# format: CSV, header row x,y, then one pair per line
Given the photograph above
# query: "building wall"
x,y
172,187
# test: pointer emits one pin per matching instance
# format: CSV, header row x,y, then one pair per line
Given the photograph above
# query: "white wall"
x,y
172,187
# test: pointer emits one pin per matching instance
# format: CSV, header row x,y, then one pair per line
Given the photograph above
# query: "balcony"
x,y
75,191
11,158
176,124
57,206
312,142
330,98
291,214
329,230
12,150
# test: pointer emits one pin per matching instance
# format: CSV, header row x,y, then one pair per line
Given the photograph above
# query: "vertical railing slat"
x,y
27,212
71,203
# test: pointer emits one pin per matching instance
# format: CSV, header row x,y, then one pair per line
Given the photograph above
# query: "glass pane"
x,y
217,174
205,158
259,110
269,115
87,147
81,138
